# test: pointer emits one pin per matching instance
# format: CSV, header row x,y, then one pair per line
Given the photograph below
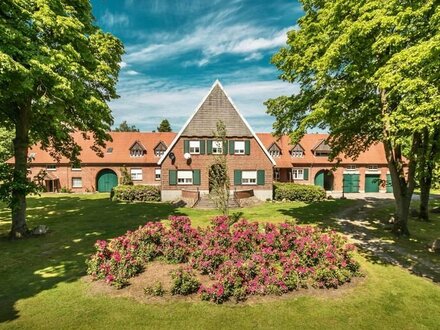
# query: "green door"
x,y
107,179
389,184
319,179
351,183
372,182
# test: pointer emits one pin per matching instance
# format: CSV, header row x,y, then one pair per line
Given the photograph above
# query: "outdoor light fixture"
x,y
187,155
172,156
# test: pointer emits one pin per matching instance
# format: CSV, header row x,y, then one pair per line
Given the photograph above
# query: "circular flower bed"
x,y
241,259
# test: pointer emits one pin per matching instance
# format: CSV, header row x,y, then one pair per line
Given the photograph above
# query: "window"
x,y
194,147
184,177
157,173
297,153
77,183
276,174
372,167
110,150
159,153
249,177
351,167
136,174
217,147
51,167
239,147
76,167
297,174
137,152
274,153
322,153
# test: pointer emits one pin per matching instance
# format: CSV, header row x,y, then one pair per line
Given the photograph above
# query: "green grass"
x,y
41,284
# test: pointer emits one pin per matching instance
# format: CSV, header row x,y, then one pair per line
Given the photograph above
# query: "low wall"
x,y
244,193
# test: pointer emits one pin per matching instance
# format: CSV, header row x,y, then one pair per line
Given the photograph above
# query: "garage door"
x,y
372,182
351,183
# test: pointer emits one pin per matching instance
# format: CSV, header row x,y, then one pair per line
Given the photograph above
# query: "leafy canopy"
x,y
367,71
164,126
57,71
124,127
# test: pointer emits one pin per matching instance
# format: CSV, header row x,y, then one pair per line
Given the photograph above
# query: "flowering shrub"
x,y
241,259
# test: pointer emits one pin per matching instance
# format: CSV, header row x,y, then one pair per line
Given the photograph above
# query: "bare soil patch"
x,y
159,271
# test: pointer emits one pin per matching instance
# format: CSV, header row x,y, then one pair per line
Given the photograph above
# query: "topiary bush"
x,y
298,192
241,259
138,193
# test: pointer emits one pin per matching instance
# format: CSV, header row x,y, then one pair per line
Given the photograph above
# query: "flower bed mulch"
x,y
227,261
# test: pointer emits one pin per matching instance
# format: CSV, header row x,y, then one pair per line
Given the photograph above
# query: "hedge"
x,y
138,193
298,192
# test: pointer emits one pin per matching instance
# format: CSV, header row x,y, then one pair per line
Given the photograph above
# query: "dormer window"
x,y
322,149
137,150
274,150
297,151
160,149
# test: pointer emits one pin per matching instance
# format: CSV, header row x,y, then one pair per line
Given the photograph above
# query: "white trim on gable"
x,y
216,83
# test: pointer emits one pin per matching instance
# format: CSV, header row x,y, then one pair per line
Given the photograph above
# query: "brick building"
x,y
181,162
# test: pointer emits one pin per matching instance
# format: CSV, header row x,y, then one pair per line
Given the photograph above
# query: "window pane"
x,y
76,182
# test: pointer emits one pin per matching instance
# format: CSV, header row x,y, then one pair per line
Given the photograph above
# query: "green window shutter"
x,y
186,146
247,147
209,147
237,177
260,177
196,177
172,176
202,147
306,174
231,147
225,147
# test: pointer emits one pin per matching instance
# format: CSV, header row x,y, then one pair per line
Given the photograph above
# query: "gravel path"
x,y
361,232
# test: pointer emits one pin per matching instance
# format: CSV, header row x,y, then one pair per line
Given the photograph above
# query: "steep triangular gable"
x,y
160,146
274,147
216,106
203,121
322,146
297,147
137,145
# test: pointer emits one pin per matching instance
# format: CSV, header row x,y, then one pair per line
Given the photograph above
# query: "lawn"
x,y
41,285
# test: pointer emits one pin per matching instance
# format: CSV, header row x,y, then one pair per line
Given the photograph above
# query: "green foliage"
x,y
125,179
137,193
156,290
6,148
164,126
124,127
185,282
66,190
368,72
298,192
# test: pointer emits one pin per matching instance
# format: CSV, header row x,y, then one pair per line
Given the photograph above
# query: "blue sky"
x,y
176,49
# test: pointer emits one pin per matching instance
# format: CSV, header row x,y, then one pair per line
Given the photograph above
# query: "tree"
x,y
164,126
368,72
58,70
218,172
124,127
6,148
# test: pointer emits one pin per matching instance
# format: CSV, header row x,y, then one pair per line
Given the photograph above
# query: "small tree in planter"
x,y
218,172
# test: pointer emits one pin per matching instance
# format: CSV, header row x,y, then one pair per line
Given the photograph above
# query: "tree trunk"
x,y
401,215
19,228
425,188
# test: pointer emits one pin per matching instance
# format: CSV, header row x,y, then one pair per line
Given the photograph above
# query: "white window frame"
x,y
239,147
76,168
372,168
277,174
194,147
274,153
157,174
52,168
76,182
184,177
351,167
297,153
322,154
137,153
159,153
297,173
217,147
136,174
249,177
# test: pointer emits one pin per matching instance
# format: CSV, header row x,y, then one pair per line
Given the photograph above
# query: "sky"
x,y
176,49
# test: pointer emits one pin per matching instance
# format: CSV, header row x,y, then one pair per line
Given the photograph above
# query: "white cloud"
x,y
132,73
122,64
110,20
254,57
146,108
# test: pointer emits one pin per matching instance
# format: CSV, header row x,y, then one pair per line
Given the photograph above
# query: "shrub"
x,y
138,193
242,259
298,192
156,290
185,282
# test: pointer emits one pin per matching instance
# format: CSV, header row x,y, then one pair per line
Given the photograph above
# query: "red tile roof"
x,y
122,141
374,155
